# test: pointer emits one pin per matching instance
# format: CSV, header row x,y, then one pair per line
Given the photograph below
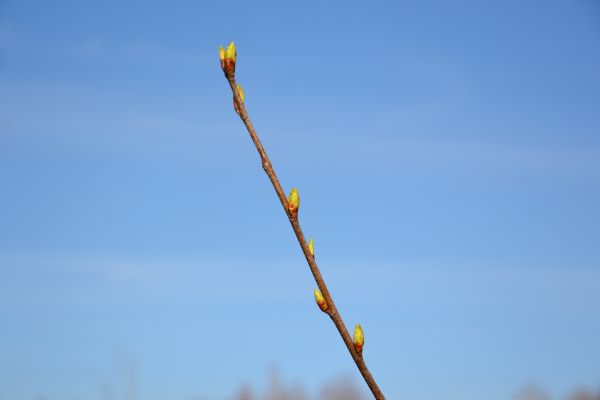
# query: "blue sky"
x,y
448,160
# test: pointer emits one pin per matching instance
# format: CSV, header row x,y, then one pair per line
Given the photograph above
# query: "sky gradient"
x,y
447,156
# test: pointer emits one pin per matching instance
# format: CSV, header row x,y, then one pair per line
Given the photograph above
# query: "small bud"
x,y
231,51
293,202
311,247
222,56
359,339
241,92
227,57
320,300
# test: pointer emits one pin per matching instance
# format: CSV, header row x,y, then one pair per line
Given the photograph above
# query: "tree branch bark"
x,y
331,309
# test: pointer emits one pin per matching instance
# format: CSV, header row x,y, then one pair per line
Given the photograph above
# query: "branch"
x,y
228,59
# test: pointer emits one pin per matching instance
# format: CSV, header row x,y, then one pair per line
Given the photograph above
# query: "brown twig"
x,y
331,309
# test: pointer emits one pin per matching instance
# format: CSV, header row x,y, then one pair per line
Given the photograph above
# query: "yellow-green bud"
x,y
293,202
228,57
320,300
241,93
358,339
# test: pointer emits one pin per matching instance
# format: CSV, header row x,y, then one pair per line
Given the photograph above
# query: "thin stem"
x,y
331,309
